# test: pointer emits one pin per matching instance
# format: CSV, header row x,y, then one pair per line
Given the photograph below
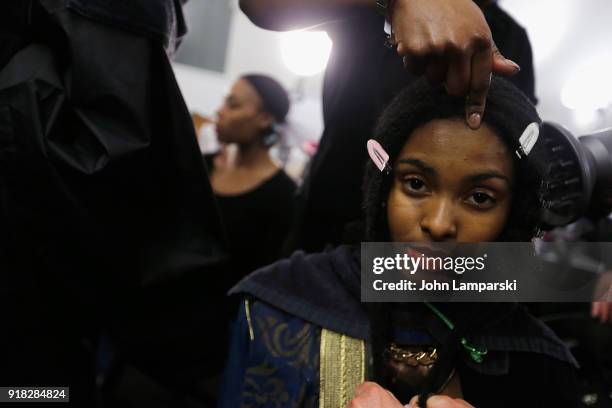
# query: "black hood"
x,y
321,288
324,289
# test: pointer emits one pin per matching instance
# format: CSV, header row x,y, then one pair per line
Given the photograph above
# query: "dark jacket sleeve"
x,y
513,42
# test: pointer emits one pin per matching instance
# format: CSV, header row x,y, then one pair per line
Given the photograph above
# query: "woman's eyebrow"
x,y
425,168
479,176
488,175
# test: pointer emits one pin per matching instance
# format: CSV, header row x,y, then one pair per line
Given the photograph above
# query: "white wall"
x,y
566,35
252,49
203,90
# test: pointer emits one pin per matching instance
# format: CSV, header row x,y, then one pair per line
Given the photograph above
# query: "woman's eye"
x,y
481,199
415,185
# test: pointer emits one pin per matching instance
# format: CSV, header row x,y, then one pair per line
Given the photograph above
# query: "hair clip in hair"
x,y
379,156
528,139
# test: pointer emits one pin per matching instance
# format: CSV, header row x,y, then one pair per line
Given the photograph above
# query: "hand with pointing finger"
x,y
450,41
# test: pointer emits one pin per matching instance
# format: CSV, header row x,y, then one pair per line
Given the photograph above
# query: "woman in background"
x,y
255,196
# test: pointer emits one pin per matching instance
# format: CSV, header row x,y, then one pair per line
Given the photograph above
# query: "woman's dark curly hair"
x,y
508,112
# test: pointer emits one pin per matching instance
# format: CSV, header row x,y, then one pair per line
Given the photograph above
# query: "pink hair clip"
x,y
379,156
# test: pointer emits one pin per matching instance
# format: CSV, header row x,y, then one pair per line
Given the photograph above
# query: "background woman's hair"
x,y
508,112
274,97
275,101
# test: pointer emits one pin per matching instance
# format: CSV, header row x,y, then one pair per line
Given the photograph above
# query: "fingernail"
x,y
514,65
474,120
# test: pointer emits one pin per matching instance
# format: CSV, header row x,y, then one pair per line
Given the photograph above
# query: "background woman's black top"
x,y
256,223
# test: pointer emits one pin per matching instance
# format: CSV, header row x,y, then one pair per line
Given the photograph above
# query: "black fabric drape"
x,y
107,220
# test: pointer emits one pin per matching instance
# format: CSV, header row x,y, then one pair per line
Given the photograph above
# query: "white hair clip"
x,y
528,139
379,156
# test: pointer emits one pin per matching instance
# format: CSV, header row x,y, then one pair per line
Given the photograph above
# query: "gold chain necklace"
x,y
413,356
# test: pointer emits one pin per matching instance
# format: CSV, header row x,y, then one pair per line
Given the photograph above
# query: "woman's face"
x,y
241,118
450,183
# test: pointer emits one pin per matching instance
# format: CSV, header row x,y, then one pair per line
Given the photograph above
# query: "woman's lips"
x,y
432,257
431,250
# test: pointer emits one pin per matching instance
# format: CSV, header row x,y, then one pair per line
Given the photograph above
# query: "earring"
x,y
272,137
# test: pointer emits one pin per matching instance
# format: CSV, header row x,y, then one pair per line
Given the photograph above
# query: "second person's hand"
x,y
450,41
